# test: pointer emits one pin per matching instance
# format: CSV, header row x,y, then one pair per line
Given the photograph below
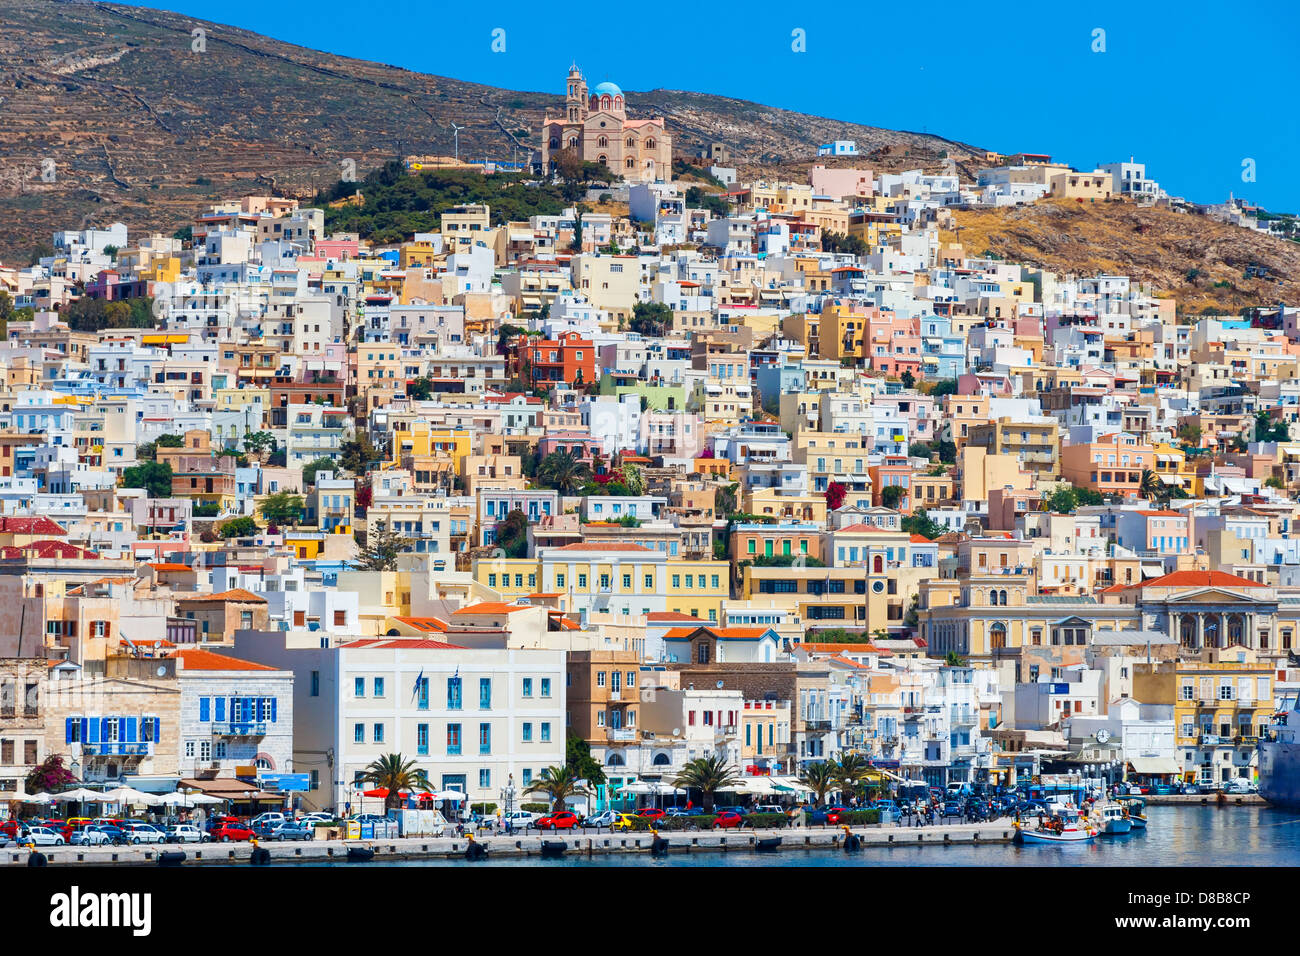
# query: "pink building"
x,y
841,183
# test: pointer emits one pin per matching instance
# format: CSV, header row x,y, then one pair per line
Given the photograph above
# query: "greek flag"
x,y
415,691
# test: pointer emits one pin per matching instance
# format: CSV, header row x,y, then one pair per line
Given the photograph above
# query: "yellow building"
x,y
1034,442
423,439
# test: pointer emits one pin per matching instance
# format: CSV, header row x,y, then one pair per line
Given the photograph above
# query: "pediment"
x,y
1213,596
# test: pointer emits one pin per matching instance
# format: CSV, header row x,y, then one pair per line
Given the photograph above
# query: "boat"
x,y
1063,827
768,845
1110,819
1137,818
1279,761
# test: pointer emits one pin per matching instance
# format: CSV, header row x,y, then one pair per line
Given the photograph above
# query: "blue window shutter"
x,y
221,708
273,700
92,730
85,729
104,732
157,728
67,730
205,709
126,730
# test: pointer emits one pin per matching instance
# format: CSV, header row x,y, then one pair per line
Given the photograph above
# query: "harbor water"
x,y
1189,835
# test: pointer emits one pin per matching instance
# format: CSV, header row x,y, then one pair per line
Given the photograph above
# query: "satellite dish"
x,y
720,685
162,670
677,731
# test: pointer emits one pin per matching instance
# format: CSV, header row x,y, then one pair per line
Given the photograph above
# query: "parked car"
x,y
605,818
826,816
650,813
1239,785
143,833
290,830
1190,788
312,819
560,820
885,806
95,834
684,812
44,836
519,819
215,822
231,831
186,833
274,819
728,820
624,822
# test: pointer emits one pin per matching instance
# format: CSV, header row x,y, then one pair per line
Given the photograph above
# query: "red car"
x,y
728,820
650,813
58,826
564,820
231,831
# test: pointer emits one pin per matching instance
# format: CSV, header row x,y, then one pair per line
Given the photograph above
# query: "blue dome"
x,y
603,88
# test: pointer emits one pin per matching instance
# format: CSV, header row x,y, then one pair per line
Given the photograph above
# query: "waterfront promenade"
x,y
590,843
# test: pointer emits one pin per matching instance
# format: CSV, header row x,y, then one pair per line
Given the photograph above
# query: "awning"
x,y
1155,766
1152,570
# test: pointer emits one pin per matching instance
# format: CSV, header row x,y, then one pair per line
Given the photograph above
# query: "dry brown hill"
x,y
142,129
1199,261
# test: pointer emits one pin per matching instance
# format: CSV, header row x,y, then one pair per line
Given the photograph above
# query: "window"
x,y
189,748
484,693
528,687
379,733
422,693
527,776
379,687
600,678
546,734
649,582
546,687
453,739
453,693
422,739
359,733
485,738
315,683
359,687
528,732
630,680
484,778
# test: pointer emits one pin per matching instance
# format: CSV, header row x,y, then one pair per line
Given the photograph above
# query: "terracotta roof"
x,y
869,528
200,660
1199,579
726,633
423,623
234,594
842,648
47,549
491,607
920,539
37,525
1162,514
169,566
665,616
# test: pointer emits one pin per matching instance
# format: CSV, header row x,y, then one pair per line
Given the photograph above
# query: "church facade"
x,y
596,126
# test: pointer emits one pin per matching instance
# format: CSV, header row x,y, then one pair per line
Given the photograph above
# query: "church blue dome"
x,y
603,88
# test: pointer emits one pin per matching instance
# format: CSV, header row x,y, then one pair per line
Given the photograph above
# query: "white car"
x,y
270,819
520,819
44,836
313,818
142,833
186,833
1239,785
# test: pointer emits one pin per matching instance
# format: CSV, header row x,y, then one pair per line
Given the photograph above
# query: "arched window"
x,y
602,142
614,759
631,143
555,143
661,760
631,163
998,635
877,565
573,142
1004,598
650,143
602,159
618,102
605,102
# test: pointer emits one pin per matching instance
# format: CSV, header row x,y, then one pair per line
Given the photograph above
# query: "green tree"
x,y
945,386
920,522
558,783
357,454
512,534
822,778
908,379
394,773
242,527
724,500
1152,488
577,755
891,495
650,318
1190,434
282,508
419,389
320,464
380,554
154,477
852,770
563,472
633,480
708,775
257,442
953,659
947,451
1273,481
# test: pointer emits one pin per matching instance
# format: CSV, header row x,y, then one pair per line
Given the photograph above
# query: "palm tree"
x,y
563,472
1152,487
558,783
852,770
822,777
395,773
707,775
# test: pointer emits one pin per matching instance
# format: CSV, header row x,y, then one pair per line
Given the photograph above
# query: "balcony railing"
x,y
619,735
116,748
251,728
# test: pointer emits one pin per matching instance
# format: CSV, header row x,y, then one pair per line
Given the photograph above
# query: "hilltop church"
x,y
596,125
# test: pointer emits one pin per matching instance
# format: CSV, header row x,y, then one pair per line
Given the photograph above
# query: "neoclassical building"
x,y
596,125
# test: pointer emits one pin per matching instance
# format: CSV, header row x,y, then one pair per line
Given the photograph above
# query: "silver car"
x,y
291,830
186,833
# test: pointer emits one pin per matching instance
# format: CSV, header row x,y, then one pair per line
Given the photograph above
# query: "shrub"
x,y
766,820
859,818
483,809
535,807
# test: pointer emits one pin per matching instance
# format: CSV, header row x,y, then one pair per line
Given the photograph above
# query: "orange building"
x,y
1111,465
568,360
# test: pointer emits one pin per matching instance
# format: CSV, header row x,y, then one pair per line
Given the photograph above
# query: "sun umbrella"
x,y
454,795
640,789
130,795
204,798
37,798
176,799
81,794
379,792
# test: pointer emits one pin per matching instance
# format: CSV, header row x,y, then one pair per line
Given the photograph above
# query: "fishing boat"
x,y
1136,817
1110,819
1060,828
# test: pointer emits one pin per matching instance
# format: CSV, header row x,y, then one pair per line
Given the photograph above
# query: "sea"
x,y
1175,836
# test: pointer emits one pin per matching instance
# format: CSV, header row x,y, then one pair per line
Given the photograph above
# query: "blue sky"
x,y
1192,89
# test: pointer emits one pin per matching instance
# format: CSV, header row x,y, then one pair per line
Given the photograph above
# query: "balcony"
x,y
252,728
965,716
817,726
615,695
619,735
1211,740
1246,740
117,748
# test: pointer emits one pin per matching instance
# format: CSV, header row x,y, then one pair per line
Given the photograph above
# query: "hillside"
x,y
142,129
1199,261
